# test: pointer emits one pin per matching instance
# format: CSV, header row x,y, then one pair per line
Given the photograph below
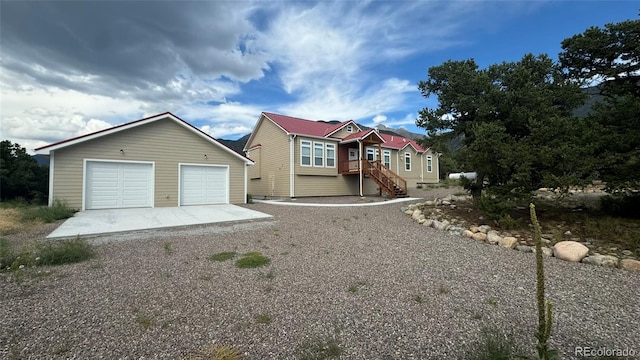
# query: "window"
x,y
370,154
429,163
305,153
349,128
331,155
407,161
318,154
386,158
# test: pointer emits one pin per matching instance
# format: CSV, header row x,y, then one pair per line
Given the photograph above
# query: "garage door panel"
x,y
201,185
111,185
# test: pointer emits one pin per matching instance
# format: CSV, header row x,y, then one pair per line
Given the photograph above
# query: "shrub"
x,y
59,210
621,206
493,345
252,260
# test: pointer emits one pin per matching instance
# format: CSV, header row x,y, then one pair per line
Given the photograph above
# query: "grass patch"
x,y
10,220
56,252
493,345
223,256
48,214
218,352
355,287
168,248
144,321
252,260
320,349
263,319
492,301
65,252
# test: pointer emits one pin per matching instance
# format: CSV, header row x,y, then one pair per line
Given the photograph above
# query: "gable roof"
x,y
45,150
320,129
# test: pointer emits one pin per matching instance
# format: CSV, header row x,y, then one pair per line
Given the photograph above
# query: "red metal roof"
x,y
300,126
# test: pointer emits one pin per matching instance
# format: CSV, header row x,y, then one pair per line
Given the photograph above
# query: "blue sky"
x,y
69,68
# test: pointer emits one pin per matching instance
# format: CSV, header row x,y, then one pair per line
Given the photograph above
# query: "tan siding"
x,y
163,142
343,133
274,161
313,170
255,171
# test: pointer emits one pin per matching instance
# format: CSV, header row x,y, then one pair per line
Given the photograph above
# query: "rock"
x,y
568,233
570,251
444,225
627,252
474,229
416,214
412,206
601,260
453,207
408,212
468,233
422,220
546,241
427,222
493,237
404,208
429,203
547,251
484,228
524,248
630,264
480,236
446,202
508,242
547,236
435,224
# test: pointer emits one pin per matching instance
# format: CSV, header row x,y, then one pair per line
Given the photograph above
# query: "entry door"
x,y
353,157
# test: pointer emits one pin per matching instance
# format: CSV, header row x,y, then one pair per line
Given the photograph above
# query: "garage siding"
x,y
163,142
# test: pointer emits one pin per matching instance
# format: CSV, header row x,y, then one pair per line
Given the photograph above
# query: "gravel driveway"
x,y
366,278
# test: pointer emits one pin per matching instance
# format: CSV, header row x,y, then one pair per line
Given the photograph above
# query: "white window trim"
x,y
310,146
313,156
328,146
385,154
407,156
429,163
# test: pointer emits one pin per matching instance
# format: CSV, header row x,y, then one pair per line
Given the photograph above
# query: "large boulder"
x,y
508,242
630,264
444,225
493,237
601,260
570,251
468,234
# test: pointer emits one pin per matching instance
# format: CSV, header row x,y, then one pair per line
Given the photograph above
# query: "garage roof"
x,y
45,150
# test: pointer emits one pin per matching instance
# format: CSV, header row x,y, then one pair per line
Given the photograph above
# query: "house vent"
x,y
391,137
404,140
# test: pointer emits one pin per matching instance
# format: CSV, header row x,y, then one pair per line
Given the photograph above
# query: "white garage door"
x,y
203,185
113,185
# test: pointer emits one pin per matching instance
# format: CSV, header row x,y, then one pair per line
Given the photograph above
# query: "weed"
x,y
252,260
263,319
492,301
509,223
443,290
476,316
355,287
64,252
270,275
249,199
168,248
206,277
319,349
218,352
144,321
223,256
59,210
493,345
418,299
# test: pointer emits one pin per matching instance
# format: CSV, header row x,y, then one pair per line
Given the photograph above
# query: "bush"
x,y
493,345
64,252
252,260
621,206
223,256
59,210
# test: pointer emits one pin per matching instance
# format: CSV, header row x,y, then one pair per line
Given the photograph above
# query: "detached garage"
x,y
159,161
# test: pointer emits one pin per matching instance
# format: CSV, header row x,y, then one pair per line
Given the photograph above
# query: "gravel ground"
x,y
368,278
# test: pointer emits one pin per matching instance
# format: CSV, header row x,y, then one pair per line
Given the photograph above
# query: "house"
x,y
158,161
297,157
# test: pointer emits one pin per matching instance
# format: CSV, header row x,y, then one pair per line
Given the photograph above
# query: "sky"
x,y
68,68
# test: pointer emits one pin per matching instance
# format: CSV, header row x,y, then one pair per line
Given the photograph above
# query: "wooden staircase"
x,y
388,181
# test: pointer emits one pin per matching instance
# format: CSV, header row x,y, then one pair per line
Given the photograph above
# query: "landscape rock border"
x,y
572,251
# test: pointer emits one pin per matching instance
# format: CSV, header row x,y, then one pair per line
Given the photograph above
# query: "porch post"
x,y
360,167
380,156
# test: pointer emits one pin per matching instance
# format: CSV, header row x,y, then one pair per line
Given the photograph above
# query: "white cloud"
x,y
379,118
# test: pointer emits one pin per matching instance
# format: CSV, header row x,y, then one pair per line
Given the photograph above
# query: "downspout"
x,y
245,182
438,167
422,168
292,166
51,166
360,180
